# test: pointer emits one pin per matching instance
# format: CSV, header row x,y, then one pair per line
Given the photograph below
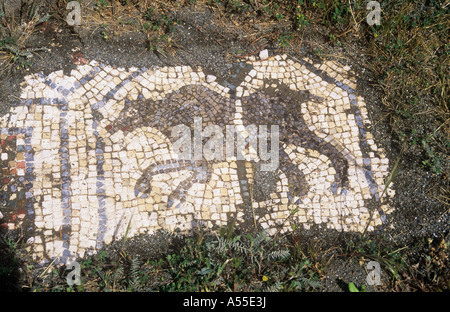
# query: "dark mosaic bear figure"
x,y
267,107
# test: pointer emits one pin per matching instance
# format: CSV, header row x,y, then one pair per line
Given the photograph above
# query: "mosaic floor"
x,y
87,156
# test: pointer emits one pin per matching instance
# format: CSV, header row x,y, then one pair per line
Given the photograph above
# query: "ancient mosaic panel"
x,y
87,156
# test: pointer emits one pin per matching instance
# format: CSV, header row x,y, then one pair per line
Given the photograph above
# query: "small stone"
x,y
264,54
210,78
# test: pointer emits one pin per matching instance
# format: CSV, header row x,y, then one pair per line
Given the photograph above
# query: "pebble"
x,y
210,78
264,54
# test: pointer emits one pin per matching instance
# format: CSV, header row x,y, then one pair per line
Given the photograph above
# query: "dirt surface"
x,y
201,42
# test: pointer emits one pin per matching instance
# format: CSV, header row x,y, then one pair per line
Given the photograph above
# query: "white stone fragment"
x,y
264,54
210,78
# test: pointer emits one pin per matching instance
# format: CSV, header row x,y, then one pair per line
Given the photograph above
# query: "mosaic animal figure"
x,y
76,160
266,107
281,106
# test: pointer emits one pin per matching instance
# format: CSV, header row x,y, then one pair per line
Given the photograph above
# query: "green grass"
x,y
421,266
229,261
14,33
203,262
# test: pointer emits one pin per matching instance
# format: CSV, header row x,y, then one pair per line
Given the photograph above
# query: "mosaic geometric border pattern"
x,y
75,148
